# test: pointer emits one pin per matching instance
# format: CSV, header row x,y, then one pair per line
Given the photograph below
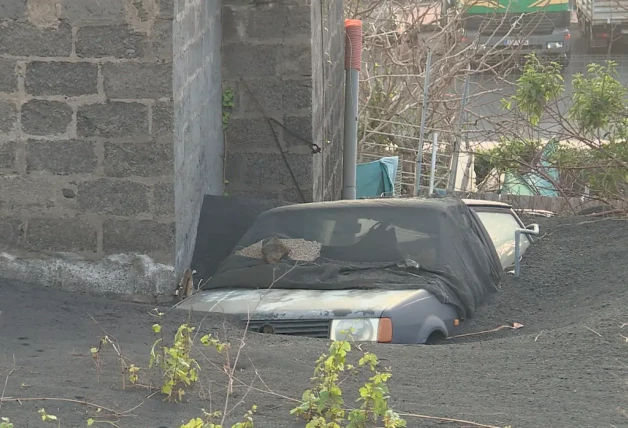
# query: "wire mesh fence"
x,y
400,137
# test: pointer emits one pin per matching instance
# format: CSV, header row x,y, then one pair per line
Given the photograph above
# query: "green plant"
x,y
5,423
91,422
206,421
127,368
227,106
596,121
599,99
539,85
179,368
48,418
323,405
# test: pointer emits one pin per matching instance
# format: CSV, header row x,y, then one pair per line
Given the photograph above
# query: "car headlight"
x,y
358,329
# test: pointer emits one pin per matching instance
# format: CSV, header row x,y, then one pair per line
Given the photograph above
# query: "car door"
x,y
501,224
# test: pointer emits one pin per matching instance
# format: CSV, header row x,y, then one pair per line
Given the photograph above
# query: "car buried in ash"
x,y
404,271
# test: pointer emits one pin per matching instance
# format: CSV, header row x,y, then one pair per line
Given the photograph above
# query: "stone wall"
x,y
282,59
111,128
86,145
199,146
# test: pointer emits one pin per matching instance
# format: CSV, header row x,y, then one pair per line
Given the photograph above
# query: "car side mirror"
x,y
534,228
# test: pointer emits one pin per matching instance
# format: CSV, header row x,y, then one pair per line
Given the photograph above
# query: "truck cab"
x,y
497,30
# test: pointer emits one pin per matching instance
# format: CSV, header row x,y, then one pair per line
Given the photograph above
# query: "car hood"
x,y
300,303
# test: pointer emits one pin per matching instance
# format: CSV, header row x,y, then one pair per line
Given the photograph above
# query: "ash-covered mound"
x,y
575,272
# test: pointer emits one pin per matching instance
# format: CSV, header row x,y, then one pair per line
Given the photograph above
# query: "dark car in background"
x,y
383,270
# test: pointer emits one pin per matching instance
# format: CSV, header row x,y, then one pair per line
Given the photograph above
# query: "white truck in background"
x,y
603,22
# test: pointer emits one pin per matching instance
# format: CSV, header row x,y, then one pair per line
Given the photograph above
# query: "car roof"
x,y
430,203
438,204
485,203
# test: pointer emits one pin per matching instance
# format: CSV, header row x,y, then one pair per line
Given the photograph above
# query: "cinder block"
x,y
299,126
297,95
8,75
41,117
7,155
163,121
92,10
143,236
163,194
63,235
266,93
8,115
294,196
113,197
296,60
269,169
231,24
112,119
243,60
162,38
118,41
278,21
133,80
61,157
11,231
138,159
265,21
26,192
13,9
166,9
61,78
24,39
251,134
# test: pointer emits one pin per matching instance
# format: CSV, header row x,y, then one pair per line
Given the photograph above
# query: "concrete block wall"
x,y
328,77
278,59
86,143
199,144
111,128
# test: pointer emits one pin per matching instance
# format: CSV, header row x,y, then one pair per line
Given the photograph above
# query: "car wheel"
x,y
437,337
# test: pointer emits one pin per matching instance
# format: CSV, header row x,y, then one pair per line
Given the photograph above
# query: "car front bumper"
x,y
556,46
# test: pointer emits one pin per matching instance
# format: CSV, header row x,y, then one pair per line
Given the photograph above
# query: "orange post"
x,y
353,60
353,44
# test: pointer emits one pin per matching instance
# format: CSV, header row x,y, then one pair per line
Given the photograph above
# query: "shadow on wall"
x,y
222,223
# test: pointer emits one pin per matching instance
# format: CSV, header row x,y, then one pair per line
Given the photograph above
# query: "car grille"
x,y
307,328
533,23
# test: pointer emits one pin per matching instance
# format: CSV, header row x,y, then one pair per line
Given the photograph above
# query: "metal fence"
x,y
483,110
579,63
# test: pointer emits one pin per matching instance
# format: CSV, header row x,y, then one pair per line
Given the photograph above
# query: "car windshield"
x,y
501,226
355,234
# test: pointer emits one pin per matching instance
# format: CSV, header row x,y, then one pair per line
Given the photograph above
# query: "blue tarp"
x,y
376,178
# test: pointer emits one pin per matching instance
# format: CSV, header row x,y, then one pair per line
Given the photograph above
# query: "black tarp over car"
x,y
437,244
